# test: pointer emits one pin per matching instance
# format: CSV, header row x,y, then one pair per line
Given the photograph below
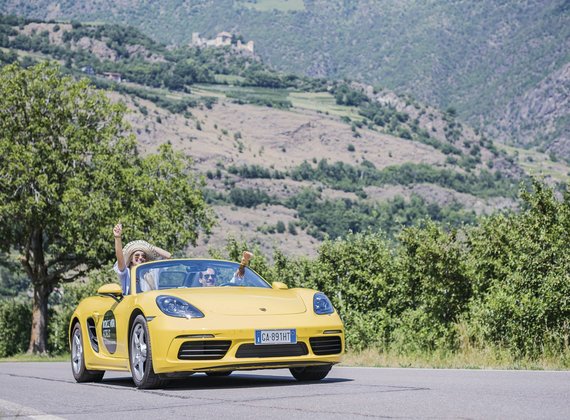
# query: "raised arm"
x,y
164,254
246,256
117,232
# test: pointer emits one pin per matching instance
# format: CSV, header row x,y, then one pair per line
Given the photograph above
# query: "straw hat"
x,y
139,245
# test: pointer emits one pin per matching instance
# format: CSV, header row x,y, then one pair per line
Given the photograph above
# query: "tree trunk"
x,y
39,335
34,263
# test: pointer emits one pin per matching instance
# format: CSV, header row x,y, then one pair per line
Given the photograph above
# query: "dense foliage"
x,y
69,171
504,283
352,178
325,218
15,323
501,284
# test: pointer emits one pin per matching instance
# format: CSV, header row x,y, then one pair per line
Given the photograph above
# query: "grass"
x,y
278,94
25,357
538,164
32,54
162,92
322,102
463,359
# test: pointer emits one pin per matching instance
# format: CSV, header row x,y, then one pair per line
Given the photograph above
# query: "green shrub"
x,y
357,274
15,326
521,269
291,228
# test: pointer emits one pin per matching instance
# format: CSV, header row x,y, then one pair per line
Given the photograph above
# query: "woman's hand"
x,y
118,230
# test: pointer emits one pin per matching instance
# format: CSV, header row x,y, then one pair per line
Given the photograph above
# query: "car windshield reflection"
x,y
176,274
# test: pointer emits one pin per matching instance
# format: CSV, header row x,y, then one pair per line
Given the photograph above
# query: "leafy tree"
x,y
69,171
521,269
12,282
434,290
291,228
358,273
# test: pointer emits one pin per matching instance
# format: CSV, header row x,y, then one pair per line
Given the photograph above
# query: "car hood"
x,y
243,301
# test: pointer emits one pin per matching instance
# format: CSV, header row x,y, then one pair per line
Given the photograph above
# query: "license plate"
x,y
275,336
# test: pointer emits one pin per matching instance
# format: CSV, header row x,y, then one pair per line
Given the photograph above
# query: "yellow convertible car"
x,y
197,315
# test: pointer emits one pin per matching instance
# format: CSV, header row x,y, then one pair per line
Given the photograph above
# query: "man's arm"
x,y
246,256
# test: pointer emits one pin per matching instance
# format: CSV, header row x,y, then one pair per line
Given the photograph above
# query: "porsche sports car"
x,y
197,315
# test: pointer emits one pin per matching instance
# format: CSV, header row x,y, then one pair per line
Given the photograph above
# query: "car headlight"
x,y
173,306
321,304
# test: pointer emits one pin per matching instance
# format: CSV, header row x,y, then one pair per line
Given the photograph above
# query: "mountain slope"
x,y
478,57
288,164
540,116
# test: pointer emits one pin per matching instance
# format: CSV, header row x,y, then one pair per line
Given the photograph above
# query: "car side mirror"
x,y
112,289
279,285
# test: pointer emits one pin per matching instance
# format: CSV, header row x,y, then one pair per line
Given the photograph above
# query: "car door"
x,y
111,318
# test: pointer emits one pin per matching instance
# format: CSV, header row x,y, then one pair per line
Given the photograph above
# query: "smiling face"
x,y
208,277
137,258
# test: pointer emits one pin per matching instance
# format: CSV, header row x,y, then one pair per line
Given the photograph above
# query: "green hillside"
x,y
479,57
329,156
429,237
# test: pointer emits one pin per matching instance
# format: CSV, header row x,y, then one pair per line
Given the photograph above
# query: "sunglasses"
x,y
210,276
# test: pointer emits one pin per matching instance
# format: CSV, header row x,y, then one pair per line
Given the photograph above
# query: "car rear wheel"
x,y
140,356
220,373
80,372
310,373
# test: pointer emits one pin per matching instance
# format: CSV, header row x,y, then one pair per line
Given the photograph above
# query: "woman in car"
x,y
134,253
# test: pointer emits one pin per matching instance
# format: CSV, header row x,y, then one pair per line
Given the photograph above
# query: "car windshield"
x,y
174,274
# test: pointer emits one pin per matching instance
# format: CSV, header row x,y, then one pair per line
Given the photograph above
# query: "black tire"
x,y
310,373
80,372
220,373
140,356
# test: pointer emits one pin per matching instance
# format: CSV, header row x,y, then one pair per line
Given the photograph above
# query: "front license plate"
x,y
275,336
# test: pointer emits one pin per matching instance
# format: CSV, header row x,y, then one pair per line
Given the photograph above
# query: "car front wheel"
x,y
80,372
310,373
140,356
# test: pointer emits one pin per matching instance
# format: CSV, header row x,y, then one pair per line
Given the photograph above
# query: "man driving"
x,y
208,277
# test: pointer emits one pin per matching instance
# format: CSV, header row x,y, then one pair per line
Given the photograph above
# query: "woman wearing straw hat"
x,y
134,253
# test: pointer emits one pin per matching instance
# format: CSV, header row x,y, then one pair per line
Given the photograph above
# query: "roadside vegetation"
x,y
69,169
417,284
491,295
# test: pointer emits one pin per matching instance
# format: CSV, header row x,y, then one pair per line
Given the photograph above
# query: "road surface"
x,y
48,391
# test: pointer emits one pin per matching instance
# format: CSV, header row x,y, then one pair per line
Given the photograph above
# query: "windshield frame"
x,y
189,274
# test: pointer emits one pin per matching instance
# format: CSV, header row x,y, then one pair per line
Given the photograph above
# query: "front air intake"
x,y
274,350
326,345
204,350
92,331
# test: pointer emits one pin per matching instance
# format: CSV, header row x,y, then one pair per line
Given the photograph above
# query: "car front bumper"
x,y
168,334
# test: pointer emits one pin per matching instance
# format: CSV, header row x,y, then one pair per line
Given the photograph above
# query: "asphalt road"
x,y
48,391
